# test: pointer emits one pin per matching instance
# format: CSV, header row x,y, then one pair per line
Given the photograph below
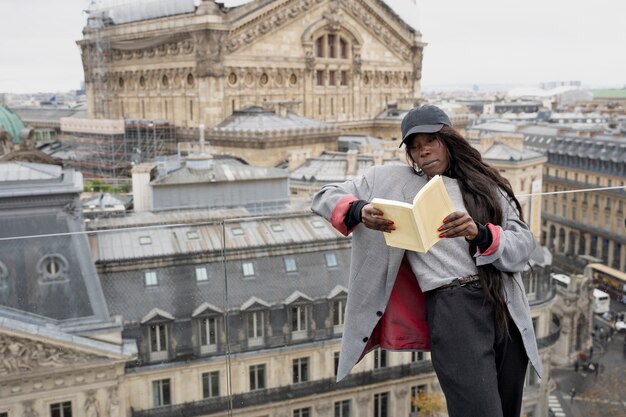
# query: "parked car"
x,y
620,326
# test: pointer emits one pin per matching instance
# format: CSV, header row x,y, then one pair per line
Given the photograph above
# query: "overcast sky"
x,y
469,42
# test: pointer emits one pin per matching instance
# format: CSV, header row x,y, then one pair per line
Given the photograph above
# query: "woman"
x,y
463,299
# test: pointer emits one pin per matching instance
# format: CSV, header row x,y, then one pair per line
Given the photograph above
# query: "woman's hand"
x,y
372,219
458,224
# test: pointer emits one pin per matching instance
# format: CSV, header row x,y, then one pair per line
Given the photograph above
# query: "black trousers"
x,y
480,368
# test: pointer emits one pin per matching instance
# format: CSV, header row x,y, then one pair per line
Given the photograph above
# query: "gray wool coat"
x,y
375,265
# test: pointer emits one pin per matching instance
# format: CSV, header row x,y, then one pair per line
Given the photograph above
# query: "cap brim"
x,y
421,129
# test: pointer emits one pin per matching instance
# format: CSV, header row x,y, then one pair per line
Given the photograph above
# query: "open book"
x,y
417,223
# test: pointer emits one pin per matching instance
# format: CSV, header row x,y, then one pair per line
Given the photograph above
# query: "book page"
x,y
406,235
431,205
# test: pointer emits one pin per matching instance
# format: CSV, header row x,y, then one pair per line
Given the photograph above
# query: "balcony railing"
x,y
555,333
272,395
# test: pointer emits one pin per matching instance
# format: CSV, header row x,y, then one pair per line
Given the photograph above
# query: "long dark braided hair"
x,y
480,185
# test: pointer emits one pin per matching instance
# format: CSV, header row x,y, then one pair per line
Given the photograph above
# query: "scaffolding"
x,y
109,154
97,61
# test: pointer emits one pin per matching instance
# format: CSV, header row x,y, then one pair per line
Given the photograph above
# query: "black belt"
x,y
460,282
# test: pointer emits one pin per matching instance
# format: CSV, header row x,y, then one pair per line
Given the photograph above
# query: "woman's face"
x,y
429,153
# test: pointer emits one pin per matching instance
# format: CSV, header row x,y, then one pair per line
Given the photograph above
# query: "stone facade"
x,y
586,223
574,307
336,61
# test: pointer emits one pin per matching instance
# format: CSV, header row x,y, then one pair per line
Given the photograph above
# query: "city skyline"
x,y
483,42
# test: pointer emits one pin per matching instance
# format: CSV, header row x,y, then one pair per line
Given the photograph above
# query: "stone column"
x,y
400,406
363,402
210,45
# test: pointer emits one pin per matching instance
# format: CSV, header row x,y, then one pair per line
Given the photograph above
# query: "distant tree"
x,y
430,404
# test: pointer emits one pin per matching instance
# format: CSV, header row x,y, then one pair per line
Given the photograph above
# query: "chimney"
x,y
351,162
142,174
201,128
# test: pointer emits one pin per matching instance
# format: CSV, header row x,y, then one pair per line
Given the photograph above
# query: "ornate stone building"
x,y
61,353
336,61
587,223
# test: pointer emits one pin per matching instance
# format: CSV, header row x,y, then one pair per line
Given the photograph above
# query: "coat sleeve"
x,y
515,242
333,201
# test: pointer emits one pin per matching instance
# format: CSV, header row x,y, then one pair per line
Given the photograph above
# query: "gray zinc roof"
x,y
332,167
180,294
27,179
502,152
258,119
176,240
219,170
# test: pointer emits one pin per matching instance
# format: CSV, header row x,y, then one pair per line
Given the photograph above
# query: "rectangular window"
x,y
417,356
417,395
248,269
145,240
277,227
211,384
332,49
290,264
255,328
191,110
380,358
302,412
319,47
332,79
300,370
339,310
299,316
208,334
342,408
343,48
331,259
336,360
257,377
161,393
201,274
319,78
158,337
150,279
381,404
63,409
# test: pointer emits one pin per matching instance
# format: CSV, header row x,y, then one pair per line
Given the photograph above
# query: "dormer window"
x,y
256,328
339,312
299,322
157,326
208,334
158,341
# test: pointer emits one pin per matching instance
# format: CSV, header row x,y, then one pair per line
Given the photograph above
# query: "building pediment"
x,y
375,18
21,355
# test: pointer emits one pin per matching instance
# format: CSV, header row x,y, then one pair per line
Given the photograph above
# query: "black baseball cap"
x,y
423,119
